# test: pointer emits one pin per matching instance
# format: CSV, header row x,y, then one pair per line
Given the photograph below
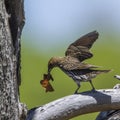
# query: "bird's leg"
x,y
76,91
93,88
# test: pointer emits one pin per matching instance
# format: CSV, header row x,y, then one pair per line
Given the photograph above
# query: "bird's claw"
x,y
93,90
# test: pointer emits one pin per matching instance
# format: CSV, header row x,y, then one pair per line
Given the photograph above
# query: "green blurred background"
x,y
50,27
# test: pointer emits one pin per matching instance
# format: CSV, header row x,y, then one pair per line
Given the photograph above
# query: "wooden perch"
x,y
110,114
77,104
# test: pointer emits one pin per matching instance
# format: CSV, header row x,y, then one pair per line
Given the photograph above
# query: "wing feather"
x,y
80,48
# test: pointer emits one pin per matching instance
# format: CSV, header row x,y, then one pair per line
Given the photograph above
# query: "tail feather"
x,y
102,71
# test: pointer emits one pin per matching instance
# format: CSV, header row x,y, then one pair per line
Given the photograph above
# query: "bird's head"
x,y
53,62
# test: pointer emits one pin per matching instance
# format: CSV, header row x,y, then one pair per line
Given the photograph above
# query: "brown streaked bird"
x,y
72,63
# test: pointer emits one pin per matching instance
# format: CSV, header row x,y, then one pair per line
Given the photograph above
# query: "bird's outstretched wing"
x,y
80,48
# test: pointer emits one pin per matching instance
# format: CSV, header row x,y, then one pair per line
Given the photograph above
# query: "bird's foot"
x,y
93,90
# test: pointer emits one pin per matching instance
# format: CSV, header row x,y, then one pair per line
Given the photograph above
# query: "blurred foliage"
x,y
34,65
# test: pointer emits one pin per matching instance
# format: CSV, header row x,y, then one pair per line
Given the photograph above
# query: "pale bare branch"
x,y
77,104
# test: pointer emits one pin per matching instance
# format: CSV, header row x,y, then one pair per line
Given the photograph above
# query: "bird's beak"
x,y
49,70
50,67
49,75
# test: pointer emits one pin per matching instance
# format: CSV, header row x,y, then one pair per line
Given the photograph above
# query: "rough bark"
x,y
77,104
11,24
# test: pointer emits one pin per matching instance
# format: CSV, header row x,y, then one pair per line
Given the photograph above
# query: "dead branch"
x,y
77,104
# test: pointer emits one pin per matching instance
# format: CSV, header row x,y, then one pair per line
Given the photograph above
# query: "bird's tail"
x,y
102,71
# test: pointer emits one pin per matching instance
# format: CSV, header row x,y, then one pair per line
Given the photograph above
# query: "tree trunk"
x,y
11,24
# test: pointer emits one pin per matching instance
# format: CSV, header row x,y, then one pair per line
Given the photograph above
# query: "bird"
x,y
72,63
